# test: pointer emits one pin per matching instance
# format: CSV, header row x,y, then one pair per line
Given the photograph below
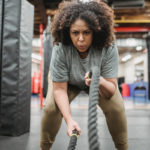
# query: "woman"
x,y
83,37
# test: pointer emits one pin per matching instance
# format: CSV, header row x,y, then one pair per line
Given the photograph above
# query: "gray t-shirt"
x,y
67,66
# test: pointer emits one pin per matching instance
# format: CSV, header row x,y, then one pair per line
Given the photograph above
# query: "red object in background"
x,y
36,83
37,79
132,29
125,90
41,65
32,84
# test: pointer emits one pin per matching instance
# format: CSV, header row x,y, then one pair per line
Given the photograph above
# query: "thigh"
x,y
114,103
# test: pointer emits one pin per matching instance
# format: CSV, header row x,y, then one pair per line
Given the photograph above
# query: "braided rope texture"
x,y
92,110
73,141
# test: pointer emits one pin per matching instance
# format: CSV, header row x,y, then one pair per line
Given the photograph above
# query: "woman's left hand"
x,y
87,79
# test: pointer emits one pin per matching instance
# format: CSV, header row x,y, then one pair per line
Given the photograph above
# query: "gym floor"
x,y
138,118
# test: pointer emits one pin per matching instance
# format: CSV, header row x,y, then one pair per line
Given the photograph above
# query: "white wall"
x,y
121,70
146,67
129,72
128,69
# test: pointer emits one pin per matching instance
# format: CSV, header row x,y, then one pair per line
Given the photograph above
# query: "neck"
x,y
83,54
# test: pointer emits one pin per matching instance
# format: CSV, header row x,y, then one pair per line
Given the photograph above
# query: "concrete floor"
x,y
138,118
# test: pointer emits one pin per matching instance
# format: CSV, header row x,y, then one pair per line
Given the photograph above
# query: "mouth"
x,y
82,47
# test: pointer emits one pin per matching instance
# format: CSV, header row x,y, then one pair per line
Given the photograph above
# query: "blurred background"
x,y
25,53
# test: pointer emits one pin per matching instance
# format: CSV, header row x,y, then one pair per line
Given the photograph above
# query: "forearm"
x,y
106,88
62,101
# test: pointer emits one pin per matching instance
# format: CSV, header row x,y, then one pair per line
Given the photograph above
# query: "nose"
x,y
81,38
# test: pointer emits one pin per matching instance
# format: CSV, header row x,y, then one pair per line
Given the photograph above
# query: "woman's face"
x,y
81,35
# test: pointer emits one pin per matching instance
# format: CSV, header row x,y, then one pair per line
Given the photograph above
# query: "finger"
x,y
88,82
85,77
79,130
100,92
87,74
69,133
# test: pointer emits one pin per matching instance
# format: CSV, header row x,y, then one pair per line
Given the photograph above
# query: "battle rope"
x,y
92,114
73,140
92,110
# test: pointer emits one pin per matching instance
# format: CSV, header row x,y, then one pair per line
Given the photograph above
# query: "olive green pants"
x,y
113,109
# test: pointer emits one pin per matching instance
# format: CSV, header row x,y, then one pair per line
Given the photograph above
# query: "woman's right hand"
x,y
87,79
71,125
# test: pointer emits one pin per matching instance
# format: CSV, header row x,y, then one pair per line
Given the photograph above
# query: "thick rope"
x,y
73,140
92,110
92,114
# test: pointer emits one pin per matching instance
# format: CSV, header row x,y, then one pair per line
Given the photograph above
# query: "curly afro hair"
x,y
97,15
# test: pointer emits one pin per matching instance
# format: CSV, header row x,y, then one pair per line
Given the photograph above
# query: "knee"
x,y
45,145
121,142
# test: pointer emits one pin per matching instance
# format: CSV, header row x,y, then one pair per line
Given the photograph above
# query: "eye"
x,y
75,33
87,32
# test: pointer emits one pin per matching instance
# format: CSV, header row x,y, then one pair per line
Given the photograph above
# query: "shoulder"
x,y
58,46
111,49
62,48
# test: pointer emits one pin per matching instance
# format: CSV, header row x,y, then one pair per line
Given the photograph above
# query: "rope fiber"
x,y
73,140
92,114
92,110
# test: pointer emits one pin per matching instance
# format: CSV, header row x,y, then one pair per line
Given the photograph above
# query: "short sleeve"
x,y
58,66
109,67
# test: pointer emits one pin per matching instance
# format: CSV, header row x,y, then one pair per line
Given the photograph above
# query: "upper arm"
x,y
109,66
58,66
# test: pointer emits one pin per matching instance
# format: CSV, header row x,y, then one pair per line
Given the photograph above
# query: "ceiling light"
x,y
126,58
139,48
85,0
138,60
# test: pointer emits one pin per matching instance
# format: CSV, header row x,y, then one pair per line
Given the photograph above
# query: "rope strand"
x,y
92,111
